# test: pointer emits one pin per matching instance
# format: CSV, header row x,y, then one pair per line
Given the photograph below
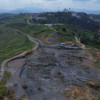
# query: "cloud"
x,y
90,1
81,0
51,4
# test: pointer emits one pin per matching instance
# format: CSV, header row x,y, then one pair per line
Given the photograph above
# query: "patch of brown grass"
x,y
87,91
74,93
95,60
98,54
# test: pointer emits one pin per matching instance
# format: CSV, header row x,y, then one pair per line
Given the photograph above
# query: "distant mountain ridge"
x,y
88,11
25,10
38,10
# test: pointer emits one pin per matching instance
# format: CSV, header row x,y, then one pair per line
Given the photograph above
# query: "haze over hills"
x,y
38,10
88,11
25,10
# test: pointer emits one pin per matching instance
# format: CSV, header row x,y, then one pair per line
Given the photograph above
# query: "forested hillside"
x,y
71,26
80,20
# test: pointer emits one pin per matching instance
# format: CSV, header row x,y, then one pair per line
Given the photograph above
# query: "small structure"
x,y
65,10
75,14
48,25
38,18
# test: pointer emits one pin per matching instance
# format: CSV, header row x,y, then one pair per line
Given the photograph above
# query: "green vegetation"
x,y
4,92
5,17
83,20
12,42
33,30
82,26
87,32
5,78
67,31
8,18
74,26
87,37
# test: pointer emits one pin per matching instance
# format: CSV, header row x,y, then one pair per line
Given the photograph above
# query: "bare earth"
x,y
48,72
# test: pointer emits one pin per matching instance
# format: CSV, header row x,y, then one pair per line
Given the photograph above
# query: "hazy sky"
x,y
51,4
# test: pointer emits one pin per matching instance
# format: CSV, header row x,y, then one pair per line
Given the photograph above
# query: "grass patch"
x,y
5,78
4,92
12,42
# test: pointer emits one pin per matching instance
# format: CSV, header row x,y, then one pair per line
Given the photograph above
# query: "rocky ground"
x,y
48,72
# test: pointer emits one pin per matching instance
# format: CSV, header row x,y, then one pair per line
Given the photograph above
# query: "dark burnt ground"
x,y
48,72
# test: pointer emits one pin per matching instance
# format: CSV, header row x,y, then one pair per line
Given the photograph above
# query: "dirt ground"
x,y
48,72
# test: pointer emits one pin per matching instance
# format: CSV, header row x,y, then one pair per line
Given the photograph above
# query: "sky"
x,y
50,4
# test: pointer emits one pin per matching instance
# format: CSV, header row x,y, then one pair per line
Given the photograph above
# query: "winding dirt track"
x,y
4,63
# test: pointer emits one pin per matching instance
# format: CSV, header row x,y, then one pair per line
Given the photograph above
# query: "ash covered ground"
x,y
47,72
